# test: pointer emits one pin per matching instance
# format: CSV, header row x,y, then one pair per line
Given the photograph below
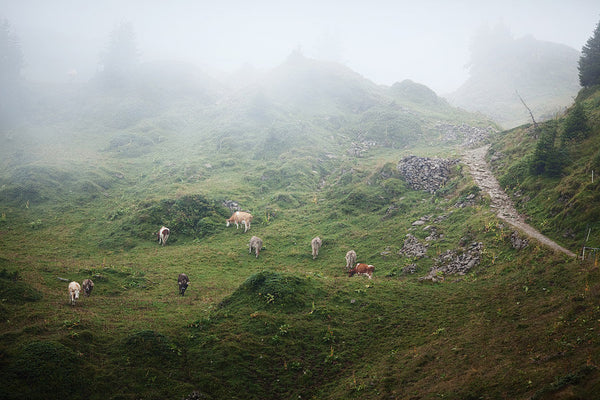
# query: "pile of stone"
x,y
428,174
409,269
232,205
412,247
518,242
358,149
470,135
455,262
468,201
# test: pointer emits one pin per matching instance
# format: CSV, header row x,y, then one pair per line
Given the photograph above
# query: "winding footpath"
x,y
475,160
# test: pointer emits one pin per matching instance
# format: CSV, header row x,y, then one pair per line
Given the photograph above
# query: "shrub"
x,y
272,289
14,291
150,348
547,159
49,370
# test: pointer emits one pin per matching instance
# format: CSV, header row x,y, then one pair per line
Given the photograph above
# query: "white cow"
x,y
74,290
316,245
350,259
256,243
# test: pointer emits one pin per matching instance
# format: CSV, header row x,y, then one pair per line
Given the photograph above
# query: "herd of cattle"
x,y
256,244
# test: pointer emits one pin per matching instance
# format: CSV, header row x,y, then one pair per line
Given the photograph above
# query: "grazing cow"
x,y
362,269
316,245
88,286
74,290
163,235
240,217
183,281
256,243
350,259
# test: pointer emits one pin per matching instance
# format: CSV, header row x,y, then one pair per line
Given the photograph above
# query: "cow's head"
x,y
182,287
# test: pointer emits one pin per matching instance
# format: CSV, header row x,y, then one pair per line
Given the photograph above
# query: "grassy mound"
x,y
268,290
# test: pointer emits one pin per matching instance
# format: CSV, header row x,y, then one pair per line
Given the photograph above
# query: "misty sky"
x,y
385,41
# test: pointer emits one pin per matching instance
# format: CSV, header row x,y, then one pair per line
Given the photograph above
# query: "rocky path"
x,y
475,160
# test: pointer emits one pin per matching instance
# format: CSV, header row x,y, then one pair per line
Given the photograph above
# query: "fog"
x,y
385,41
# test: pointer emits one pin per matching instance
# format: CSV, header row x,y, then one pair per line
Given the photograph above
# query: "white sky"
x,y
385,41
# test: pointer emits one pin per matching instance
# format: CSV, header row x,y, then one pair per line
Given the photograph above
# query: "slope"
x,y
85,201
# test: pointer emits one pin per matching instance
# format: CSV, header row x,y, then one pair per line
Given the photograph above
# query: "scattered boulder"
x,y
455,262
470,135
433,233
409,269
468,201
518,242
196,395
232,205
357,149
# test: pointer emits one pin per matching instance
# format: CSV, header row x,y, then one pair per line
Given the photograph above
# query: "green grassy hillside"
x,y
82,194
558,195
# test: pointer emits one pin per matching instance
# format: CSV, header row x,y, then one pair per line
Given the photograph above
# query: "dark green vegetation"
x,y
551,172
589,63
90,177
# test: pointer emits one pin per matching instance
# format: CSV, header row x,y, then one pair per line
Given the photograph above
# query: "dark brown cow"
x,y
183,281
87,285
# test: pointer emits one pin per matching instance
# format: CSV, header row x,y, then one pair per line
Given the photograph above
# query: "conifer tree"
x,y
547,159
589,62
576,124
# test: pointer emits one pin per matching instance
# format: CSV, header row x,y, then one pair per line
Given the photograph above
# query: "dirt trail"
x,y
475,160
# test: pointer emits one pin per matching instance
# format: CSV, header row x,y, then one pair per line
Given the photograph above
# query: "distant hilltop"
x,y
502,69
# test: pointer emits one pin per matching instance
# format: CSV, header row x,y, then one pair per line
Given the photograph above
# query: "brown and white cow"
x,y
163,235
362,269
240,217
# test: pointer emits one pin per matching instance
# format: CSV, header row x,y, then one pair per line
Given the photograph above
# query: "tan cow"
x,y
240,217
